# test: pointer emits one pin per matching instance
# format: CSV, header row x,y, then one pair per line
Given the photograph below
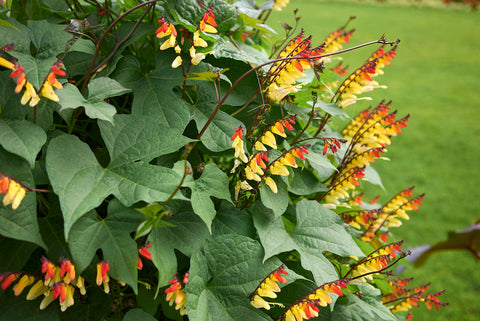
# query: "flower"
x,y
36,290
102,275
25,281
49,269
67,269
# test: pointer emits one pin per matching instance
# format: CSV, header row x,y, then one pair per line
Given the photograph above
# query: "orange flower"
x,y
145,252
48,268
67,269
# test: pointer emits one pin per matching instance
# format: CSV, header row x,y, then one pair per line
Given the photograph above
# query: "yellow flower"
x,y
177,62
279,4
258,302
5,63
269,139
279,169
25,281
197,41
47,92
36,290
30,94
271,183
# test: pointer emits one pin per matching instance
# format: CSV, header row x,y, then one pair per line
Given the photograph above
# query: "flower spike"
x,y
268,288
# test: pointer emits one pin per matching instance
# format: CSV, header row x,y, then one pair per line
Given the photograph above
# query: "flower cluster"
x,y
268,288
30,94
368,134
59,282
402,299
14,191
282,77
207,25
175,294
390,213
256,166
334,41
360,81
338,189
307,307
375,262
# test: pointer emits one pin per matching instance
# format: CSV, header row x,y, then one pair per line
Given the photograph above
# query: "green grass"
x,y
435,79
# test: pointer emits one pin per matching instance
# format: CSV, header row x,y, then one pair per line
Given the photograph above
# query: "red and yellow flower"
x,y
176,295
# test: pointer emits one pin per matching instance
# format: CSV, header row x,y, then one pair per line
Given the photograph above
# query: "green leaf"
x,y
320,163
138,314
20,224
112,235
155,98
235,264
17,35
212,182
22,138
317,230
95,106
14,308
230,220
355,309
7,24
14,254
372,176
217,135
276,202
304,182
82,184
185,232
225,48
225,15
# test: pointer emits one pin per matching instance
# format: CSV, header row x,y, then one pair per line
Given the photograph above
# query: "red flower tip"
x,y
145,252
238,133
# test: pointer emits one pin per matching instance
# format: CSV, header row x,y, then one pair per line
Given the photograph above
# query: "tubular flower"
x,y
14,191
268,288
49,269
25,281
67,269
175,294
145,252
102,275
308,306
371,265
7,279
37,289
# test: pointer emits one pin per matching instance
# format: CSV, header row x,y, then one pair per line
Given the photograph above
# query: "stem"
x,y
310,118
185,170
107,31
220,103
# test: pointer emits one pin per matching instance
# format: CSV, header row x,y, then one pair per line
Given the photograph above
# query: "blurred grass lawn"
x,y
435,78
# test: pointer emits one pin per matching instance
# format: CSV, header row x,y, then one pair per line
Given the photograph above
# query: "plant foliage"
x,y
175,159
